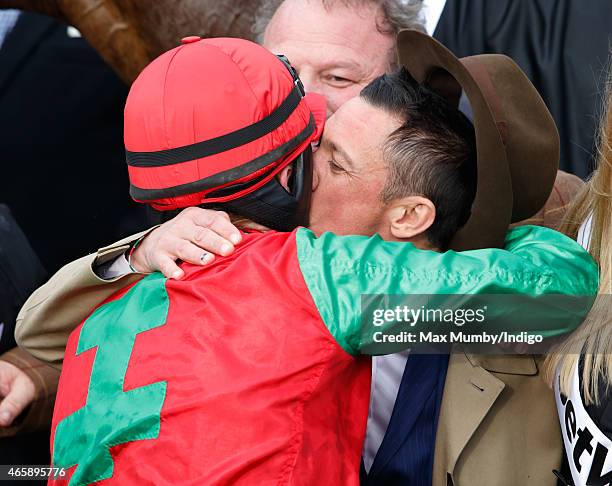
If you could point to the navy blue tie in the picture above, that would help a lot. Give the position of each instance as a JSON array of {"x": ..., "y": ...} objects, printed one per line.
[{"x": 406, "y": 454}]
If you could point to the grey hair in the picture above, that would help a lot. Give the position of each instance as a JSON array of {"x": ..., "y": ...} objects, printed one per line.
[{"x": 397, "y": 15}]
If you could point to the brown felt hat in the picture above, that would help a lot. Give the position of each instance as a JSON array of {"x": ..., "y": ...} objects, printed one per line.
[{"x": 517, "y": 141}]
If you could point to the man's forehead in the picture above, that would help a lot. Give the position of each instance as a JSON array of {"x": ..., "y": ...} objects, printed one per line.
[
  {"x": 340, "y": 24},
  {"x": 359, "y": 129},
  {"x": 337, "y": 142},
  {"x": 361, "y": 116}
]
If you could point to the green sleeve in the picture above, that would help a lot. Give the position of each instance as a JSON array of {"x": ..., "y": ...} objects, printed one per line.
[{"x": 535, "y": 261}]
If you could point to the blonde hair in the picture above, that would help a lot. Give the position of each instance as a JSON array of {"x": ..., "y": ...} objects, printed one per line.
[{"x": 593, "y": 339}]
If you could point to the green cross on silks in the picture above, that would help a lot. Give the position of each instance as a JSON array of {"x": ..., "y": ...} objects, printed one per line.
[{"x": 112, "y": 416}]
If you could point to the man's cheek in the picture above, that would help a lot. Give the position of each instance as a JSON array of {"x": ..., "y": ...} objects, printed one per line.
[
  {"x": 323, "y": 202},
  {"x": 338, "y": 96},
  {"x": 334, "y": 100}
]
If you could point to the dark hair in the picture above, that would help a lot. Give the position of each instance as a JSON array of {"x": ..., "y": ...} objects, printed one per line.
[{"x": 433, "y": 153}]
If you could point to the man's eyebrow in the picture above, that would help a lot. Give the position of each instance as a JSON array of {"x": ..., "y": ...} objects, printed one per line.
[
  {"x": 342, "y": 65},
  {"x": 342, "y": 153}
]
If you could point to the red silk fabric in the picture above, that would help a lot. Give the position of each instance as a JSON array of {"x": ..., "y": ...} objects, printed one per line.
[{"x": 258, "y": 391}]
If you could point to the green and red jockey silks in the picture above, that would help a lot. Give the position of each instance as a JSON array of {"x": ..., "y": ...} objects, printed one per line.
[
  {"x": 216, "y": 115},
  {"x": 249, "y": 371}
]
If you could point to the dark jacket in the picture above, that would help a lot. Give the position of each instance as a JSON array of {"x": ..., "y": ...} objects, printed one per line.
[
  {"x": 20, "y": 274},
  {"x": 562, "y": 45},
  {"x": 61, "y": 141}
]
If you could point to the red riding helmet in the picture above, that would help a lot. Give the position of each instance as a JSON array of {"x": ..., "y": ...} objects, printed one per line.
[{"x": 212, "y": 122}]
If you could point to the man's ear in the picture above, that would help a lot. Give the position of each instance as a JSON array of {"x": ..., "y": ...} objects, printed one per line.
[{"x": 410, "y": 217}]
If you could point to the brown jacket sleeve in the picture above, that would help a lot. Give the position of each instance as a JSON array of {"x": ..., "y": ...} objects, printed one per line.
[
  {"x": 38, "y": 414},
  {"x": 55, "y": 309}
]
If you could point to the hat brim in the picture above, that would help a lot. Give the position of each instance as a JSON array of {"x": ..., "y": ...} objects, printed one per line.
[{"x": 491, "y": 212}]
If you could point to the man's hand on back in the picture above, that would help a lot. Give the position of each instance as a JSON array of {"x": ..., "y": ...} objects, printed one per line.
[{"x": 194, "y": 236}]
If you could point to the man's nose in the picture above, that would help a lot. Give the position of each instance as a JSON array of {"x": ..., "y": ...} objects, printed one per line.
[
  {"x": 315, "y": 181},
  {"x": 309, "y": 80},
  {"x": 315, "y": 173},
  {"x": 312, "y": 84}
]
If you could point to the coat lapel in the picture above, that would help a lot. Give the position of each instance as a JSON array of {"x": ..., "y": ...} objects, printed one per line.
[
  {"x": 20, "y": 42},
  {"x": 469, "y": 393}
]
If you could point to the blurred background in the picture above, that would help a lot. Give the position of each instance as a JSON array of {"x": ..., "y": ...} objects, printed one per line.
[{"x": 65, "y": 70}]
